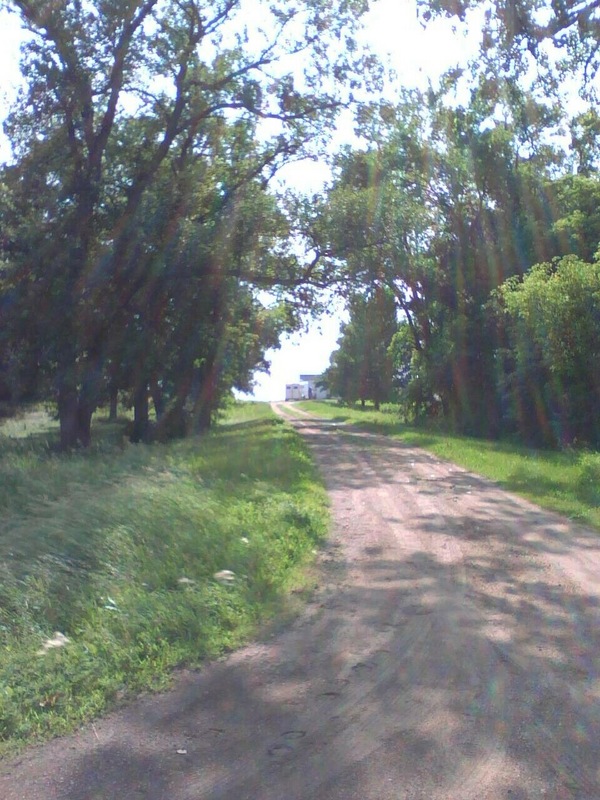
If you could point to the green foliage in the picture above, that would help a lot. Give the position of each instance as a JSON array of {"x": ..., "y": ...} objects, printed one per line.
[
  {"x": 585, "y": 135},
  {"x": 362, "y": 367},
  {"x": 513, "y": 29},
  {"x": 402, "y": 353},
  {"x": 118, "y": 551},
  {"x": 577, "y": 227},
  {"x": 553, "y": 325},
  {"x": 444, "y": 204}
]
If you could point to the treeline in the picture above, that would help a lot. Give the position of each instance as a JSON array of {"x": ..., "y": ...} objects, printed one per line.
[
  {"x": 468, "y": 227},
  {"x": 138, "y": 224},
  {"x": 472, "y": 272}
]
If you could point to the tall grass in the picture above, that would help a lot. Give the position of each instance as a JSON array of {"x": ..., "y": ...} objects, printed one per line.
[
  {"x": 564, "y": 481},
  {"x": 143, "y": 557}
]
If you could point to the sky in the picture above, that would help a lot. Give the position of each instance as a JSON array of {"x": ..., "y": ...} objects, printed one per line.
[{"x": 394, "y": 33}]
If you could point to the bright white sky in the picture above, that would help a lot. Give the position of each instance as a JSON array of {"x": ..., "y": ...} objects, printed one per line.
[{"x": 394, "y": 33}]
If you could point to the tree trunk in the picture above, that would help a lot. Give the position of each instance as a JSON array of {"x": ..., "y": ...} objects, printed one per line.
[
  {"x": 173, "y": 420},
  {"x": 114, "y": 401},
  {"x": 84, "y": 422},
  {"x": 68, "y": 408},
  {"x": 206, "y": 398},
  {"x": 75, "y": 417},
  {"x": 203, "y": 418}
]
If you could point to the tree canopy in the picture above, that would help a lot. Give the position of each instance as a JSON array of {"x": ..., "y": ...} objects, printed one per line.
[
  {"x": 446, "y": 202},
  {"x": 552, "y": 318},
  {"x": 511, "y": 26}
]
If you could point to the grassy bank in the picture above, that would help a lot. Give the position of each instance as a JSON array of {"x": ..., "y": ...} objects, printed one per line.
[
  {"x": 143, "y": 557},
  {"x": 567, "y": 482}
]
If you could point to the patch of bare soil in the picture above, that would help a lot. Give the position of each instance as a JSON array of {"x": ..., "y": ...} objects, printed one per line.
[{"x": 451, "y": 652}]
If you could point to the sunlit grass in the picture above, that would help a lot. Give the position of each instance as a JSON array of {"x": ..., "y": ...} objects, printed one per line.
[
  {"x": 118, "y": 549},
  {"x": 386, "y": 418},
  {"x": 563, "y": 481},
  {"x": 36, "y": 421},
  {"x": 292, "y": 410}
]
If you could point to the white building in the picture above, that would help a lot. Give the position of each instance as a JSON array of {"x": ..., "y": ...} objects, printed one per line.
[
  {"x": 295, "y": 391},
  {"x": 309, "y": 388},
  {"x": 314, "y": 390}
]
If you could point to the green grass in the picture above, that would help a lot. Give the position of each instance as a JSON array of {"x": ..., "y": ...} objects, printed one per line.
[
  {"x": 290, "y": 408},
  {"x": 386, "y": 420},
  {"x": 117, "y": 549},
  {"x": 563, "y": 481}
]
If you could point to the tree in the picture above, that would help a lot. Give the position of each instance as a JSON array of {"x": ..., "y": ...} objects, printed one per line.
[
  {"x": 585, "y": 142},
  {"x": 115, "y": 94},
  {"x": 511, "y": 25},
  {"x": 362, "y": 367},
  {"x": 201, "y": 247},
  {"x": 445, "y": 204},
  {"x": 577, "y": 206},
  {"x": 379, "y": 214},
  {"x": 552, "y": 316}
]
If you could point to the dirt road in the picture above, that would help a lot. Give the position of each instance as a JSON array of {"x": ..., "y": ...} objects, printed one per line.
[{"x": 452, "y": 652}]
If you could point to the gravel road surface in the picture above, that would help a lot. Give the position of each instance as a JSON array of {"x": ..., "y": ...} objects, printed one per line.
[{"x": 452, "y": 651}]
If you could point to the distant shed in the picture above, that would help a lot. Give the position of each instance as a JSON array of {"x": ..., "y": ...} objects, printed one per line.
[
  {"x": 295, "y": 391},
  {"x": 314, "y": 388}
]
